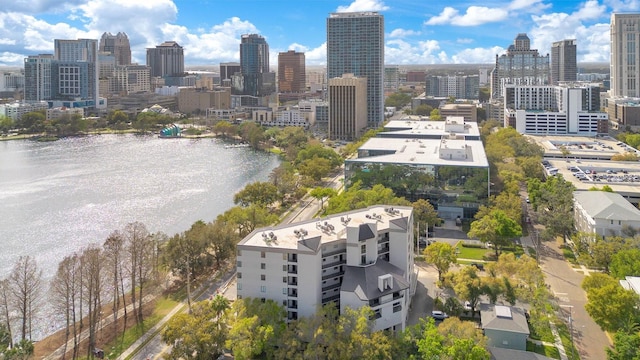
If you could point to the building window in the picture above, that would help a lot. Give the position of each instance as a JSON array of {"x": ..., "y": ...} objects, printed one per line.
[
  {"x": 239, "y": 286},
  {"x": 239, "y": 252},
  {"x": 397, "y": 307},
  {"x": 284, "y": 267},
  {"x": 284, "y": 291},
  {"x": 239, "y": 263},
  {"x": 239, "y": 275},
  {"x": 284, "y": 279},
  {"x": 263, "y": 266},
  {"x": 262, "y": 254},
  {"x": 263, "y": 289},
  {"x": 263, "y": 277}
]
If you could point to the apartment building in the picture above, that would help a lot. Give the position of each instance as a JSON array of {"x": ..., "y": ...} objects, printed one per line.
[{"x": 354, "y": 259}]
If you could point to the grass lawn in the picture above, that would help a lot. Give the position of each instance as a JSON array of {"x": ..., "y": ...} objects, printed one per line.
[
  {"x": 548, "y": 351},
  {"x": 470, "y": 252},
  {"x": 162, "y": 307}
]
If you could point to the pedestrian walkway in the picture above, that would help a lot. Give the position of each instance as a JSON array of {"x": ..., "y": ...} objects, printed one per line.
[{"x": 558, "y": 343}]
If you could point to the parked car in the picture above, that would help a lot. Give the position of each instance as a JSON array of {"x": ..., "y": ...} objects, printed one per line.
[
  {"x": 467, "y": 306},
  {"x": 478, "y": 266},
  {"x": 439, "y": 315}
]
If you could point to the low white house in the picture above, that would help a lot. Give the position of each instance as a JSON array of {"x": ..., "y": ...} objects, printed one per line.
[
  {"x": 603, "y": 213},
  {"x": 631, "y": 283}
]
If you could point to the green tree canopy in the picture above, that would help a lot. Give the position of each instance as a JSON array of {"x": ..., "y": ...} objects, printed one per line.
[
  {"x": 497, "y": 228},
  {"x": 357, "y": 198},
  {"x": 625, "y": 263},
  {"x": 441, "y": 255},
  {"x": 257, "y": 193}
]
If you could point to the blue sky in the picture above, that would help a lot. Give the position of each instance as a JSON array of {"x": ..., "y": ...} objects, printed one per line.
[{"x": 416, "y": 31}]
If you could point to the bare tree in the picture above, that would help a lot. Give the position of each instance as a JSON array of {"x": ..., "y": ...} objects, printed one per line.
[
  {"x": 5, "y": 307},
  {"x": 63, "y": 290},
  {"x": 25, "y": 283},
  {"x": 92, "y": 284},
  {"x": 137, "y": 240},
  {"x": 113, "y": 253}
]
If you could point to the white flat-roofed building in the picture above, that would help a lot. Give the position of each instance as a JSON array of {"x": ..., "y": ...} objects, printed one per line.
[
  {"x": 357, "y": 258},
  {"x": 15, "y": 110},
  {"x": 569, "y": 108},
  {"x": 603, "y": 213},
  {"x": 57, "y": 112},
  {"x": 412, "y": 127},
  {"x": 631, "y": 283}
]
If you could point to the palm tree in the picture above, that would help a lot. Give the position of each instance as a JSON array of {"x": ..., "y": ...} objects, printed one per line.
[{"x": 219, "y": 304}]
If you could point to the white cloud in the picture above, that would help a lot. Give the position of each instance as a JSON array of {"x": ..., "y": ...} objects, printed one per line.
[
  {"x": 400, "y": 33},
  {"x": 477, "y": 55},
  {"x": 464, "y": 41},
  {"x": 531, "y": 6},
  {"x": 622, "y": 5},
  {"x": 10, "y": 59},
  {"x": 364, "y": 5},
  {"x": 315, "y": 56},
  {"x": 593, "y": 39},
  {"x": 475, "y": 15}
]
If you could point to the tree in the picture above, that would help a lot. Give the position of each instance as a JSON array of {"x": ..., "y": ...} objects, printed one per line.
[
  {"x": 625, "y": 263},
  {"x": 315, "y": 168},
  {"x": 139, "y": 250},
  {"x": 626, "y": 346},
  {"x": 497, "y": 228},
  {"x": 553, "y": 202},
  {"x": 91, "y": 261},
  {"x": 258, "y": 193},
  {"x": 441, "y": 255},
  {"x": 397, "y": 100},
  {"x": 423, "y": 110},
  {"x": 596, "y": 281},
  {"x": 25, "y": 282},
  {"x": 113, "y": 250},
  {"x": 613, "y": 307},
  {"x": 435, "y": 115},
  {"x": 425, "y": 213},
  {"x": 198, "y": 335},
  {"x": 627, "y": 156},
  {"x": 468, "y": 286},
  {"x": 320, "y": 193},
  {"x": 357, "y": 198},
  {"x": 255, "y": 327},
  {"x": 5, "y": 309},
  {"x": 6, "y": 124},
  {"x": 247, "y": 219},
  {"x": 65, "y": 290},
  {"x": 223, "y": 239}
]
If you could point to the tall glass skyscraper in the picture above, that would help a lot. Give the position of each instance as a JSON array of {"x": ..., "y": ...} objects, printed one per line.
[
  {"x": 355, "y": 45},
  {"x": 254, "y": 62}
]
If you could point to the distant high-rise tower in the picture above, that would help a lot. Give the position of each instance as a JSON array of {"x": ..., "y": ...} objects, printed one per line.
[
  {"x": 563, "y": 61},
  {"x": 118, "y": 46},
  {"x": 521, "y": 65},
  {"x": 625, "y": 55},
  {"x": 254, "y": 62},
  {"x": 347, "y": 107},
  {"x": 166, "y": 59},
  {"x": 37, "y": 77},
  {"x": 291, "y": 72},
  {"x": 228, "y": 69},
  {"x": 75, "y": 72},
  {"x": 355, "y": 44}
]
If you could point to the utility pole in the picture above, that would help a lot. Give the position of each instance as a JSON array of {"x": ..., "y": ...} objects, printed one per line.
[{"x": 570, "y": 326}]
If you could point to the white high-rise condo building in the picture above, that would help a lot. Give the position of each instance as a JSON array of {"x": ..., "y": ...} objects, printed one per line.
[
  {"x": 354, "y": 259},
  {"x": 625, "y": 55},
  {"x": 355, "y": 45}
]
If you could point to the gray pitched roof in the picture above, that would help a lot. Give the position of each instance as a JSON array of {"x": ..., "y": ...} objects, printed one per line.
[
  {"x": 490, "y": 320},
  {"x": 606, "y": 205},
  {"x": 402, "y": 223},
  {"x": 511, "y": 354},
  {"x": 312, "y": 243},
  {"x": 366, "y": 278},
  {"x": 365, "y": 232}
]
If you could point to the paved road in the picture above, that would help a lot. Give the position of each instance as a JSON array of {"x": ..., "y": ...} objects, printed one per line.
[{"x": 565, "y": 282}]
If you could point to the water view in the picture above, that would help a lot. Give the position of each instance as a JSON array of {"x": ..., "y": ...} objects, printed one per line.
[{"x": 59, "y": 196}]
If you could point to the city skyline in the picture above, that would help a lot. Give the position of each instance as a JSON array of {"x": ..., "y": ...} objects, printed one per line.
[{"x": 416, "y": 32}]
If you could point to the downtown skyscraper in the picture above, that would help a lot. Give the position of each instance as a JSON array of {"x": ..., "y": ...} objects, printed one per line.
[
  {"x": 625, "y": 55},
  {"x": 563, "y": 61},
  {"x": 355, "y": 45},
  {"x": 254, "y": 65}
]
